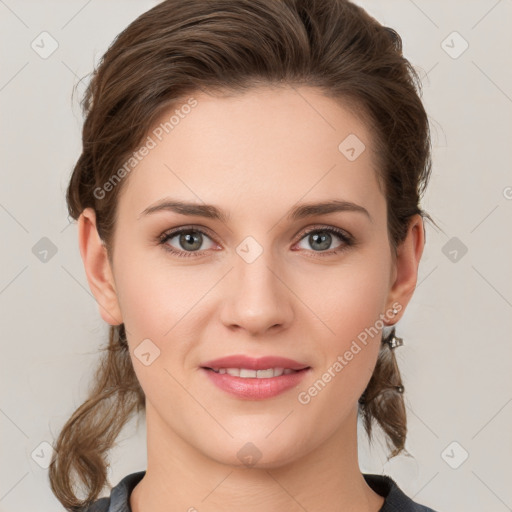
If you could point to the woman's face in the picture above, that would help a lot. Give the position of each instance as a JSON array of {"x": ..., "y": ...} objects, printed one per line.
[{"x": 266, "y": 277}]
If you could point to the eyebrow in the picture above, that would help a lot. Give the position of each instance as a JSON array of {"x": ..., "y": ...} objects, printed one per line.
[{"x": 212, "y": 212}]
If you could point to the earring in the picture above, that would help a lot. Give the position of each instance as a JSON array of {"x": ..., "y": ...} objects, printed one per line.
[{"x": 392, "y": 340}]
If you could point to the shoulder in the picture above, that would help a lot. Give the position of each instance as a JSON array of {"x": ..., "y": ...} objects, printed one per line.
[
  {"x": 119, "y": 499},
  {"x": 395, "y": 499},
  {"x": 101, "y": 505}
]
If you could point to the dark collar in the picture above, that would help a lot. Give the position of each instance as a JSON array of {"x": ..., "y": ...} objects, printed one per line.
[{"x": 395, "y": 499}]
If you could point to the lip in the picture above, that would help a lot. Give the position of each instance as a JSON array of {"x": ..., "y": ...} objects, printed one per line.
[
  {"x": 252, "y": 363},
  {"x": 254, "y": 388}
]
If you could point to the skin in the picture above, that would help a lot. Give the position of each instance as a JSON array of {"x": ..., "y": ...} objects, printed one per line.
[{"x": 254, "y": 155}]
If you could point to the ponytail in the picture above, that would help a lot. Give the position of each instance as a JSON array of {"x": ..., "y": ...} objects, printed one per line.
[
  {"x": 89, "y": 434},
  {"x": 383, "y": 399}
]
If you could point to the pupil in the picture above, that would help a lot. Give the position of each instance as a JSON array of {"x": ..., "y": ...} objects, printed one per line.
[
  {"x": 189, "y": 239},
  {"x": 324, "y": 240}
]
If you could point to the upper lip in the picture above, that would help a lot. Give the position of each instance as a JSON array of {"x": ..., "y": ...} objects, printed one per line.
[{"x": 252, "y": 363}]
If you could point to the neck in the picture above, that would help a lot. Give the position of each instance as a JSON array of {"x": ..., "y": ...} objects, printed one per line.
[{"x": 180, "y": 477}]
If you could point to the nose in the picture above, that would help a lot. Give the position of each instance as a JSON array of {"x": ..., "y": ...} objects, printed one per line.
[{"x": 256, "y": 298}]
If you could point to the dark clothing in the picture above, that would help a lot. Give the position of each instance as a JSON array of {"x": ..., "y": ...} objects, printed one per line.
[{"x": 395, "y": 499}]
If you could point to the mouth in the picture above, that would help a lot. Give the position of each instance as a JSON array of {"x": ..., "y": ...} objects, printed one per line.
[{"x": 255, "y": 379}]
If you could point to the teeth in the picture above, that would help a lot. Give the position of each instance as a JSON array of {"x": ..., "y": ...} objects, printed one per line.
[
  {"x": 247, "y": 373},
  {"x": 264, "y": 374},
  {"x": 255, "y": 374}
]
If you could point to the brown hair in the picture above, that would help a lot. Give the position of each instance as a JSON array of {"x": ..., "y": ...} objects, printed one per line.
[{"x": 181, "y": 47}]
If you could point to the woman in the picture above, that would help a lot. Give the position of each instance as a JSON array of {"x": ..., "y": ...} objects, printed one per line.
[{"x": 248, "y": 216}]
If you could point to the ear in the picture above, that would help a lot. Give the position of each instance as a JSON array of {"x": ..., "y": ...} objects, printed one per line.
[
  {"x": 97, "y": 268},
  {"x": 406, "y": 266}
]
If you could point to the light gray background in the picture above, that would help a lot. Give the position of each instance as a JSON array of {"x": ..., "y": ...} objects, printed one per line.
[{"x": 457, "y": 355}]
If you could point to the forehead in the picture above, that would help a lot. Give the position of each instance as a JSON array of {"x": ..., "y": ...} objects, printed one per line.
[{"x": 266, "y": 148}]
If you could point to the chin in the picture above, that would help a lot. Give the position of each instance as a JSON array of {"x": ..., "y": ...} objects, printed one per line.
[{"x": 258, "y": 454}]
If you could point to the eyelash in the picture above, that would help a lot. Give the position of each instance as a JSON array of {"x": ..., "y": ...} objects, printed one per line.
[{"x": 347, "y": 240}]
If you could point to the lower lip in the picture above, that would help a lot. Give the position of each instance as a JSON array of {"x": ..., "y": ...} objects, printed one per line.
[{"x": 253, "y": 388}]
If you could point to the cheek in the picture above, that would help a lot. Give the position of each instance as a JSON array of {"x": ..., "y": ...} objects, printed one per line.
[
  {"x": 348, "y": 356},
  {"x": 350, "y": 306},
  {"x": 162, "y": 306},
  {"x": 349, "y": 300},
  {"x": 154, "y": 294}
]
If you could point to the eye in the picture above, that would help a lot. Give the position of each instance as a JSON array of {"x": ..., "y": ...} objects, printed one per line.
[
  {"x": 320, "y": 239},
  {"x": 187, "y": 241}
]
